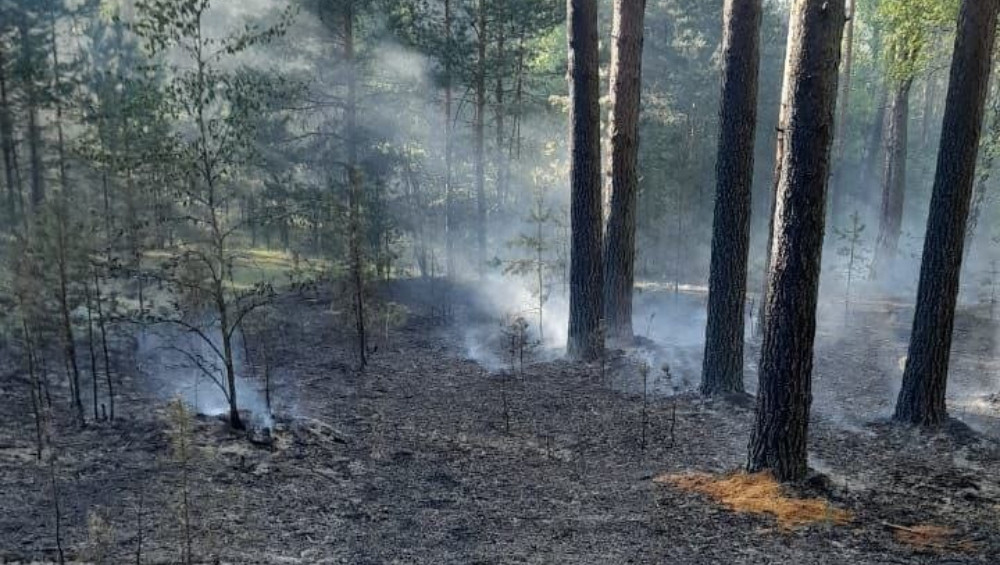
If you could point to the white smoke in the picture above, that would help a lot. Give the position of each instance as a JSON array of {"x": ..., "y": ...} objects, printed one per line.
[{"x": 179, "y": 362}]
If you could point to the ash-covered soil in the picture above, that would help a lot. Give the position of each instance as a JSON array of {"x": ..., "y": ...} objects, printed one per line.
[{"x": 428, "y": 458}]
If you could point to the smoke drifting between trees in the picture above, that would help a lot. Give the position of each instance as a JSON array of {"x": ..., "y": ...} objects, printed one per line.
[{"x": 173, "y": 162}]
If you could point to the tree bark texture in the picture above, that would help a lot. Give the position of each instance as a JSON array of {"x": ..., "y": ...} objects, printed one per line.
[
  {"x": 7, "y": 146},
  {"x": 722, "y": 369},
  {"x": 586, "y": 288},
  {"x": 480, "y": 140},
  {"x": 922, "y": 396},
  {"x": 356, "y": 189},
  {"x": 841, "y": 187},
  {"x": 449, "y": 211},
  {"x": 985, "y": 169},
  {"x": 893, "y": 179},
  {"x": 34, "y": 129},
  {"x": 626, "y": 90},
  {"x": 778, "y": 439},
  {"x": 776, "y": 178}
]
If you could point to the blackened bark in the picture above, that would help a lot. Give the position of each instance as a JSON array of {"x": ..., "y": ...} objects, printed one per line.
[
  {"x": 840, "y": 186},
  {"x": 7, "y": 147},
  {"x": 449, "y": 220},
  {"x": 355, "y": 187},
  {"x": 626, "y": 90},
  {"x": 985, "y": 171},
  {"x": 500, "y": 110},
  {"x": 34, "y": 132},
  {"x": 91, "y": 350},
  {"x": 57, "y": 99},
  {"x": 586, "y": 292},
  {"x": 779, "y": 158},
  {"x": 101, "y": 324},
  {"x": 480, "y": 141},
  {"x": 872, "y": 152},
  {"x": 930, "y": 94},
  {"x": 778, "y": 440},
  {"x": 69, "y": 340},
  {"x": 922, "y": 396},
  {"x": 893, "y": 179},
  {"x": 722, "y": 370},
  {"x": 36, "y": 389},
  {"x": 844, "y": 104}
]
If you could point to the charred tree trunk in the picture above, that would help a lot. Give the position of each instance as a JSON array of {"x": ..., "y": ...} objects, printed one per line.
[
  {"x": 57, "y": 99},
  {"x": 102, "y": 326},
  {"x": 845, "y": 92},
  {"x": 871, "y": 150},
  {"x": 985, "y": 172},
  {"x": 355, "y": 190},
  {"x": 7, "y": 146},
  {"x": 626, "y": 90},
  {"x": 500, "y": 111},
  {"x": 893, "y": 179},
  {"x": 586, "y": 288},
  {"x": 479, "y": 132},
  {"x": 90, "y": 349},
  {"x": 514, "y": 148},
  {"x": 722, "y": 370},
  {"x": 36, "y": 390},
  {"x": 871, "y": 155},
  {"x": 235, "y": 421},
  {"x": 416, "y": 201},
  {"x": 930, "y": 94},
  {"x": 840, "y": 186},
  {"x": 69, "y": 340},
  {"x": 449, "y": 211},
  {"x": 922, "y": 396},
  {"x": 34, "y": 132},
  {"x": 779, "y": 159},
  {"x": 778, "y": 439}
]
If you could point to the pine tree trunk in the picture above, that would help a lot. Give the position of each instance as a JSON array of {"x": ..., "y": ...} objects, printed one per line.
[
  {"x": 922, "y": 396},
  {"x": 844, "y": 104},
  {"x": 101, "y": 324},
  {"x": 872, "y": 154},
  {"x": 449, "y": 212},
  {"x": 355, "y": 188},
  {"x": 930, "y": 94},
  {"x": 893, "y": 180},
  {"x": 985, "y": 171},
  {"x": 840, "y": 186},
  {"x": 778, "y": 440},
  {"x": 626, "y": 91},
  {"x": 69, "y": 340},
  {"x": 722, "y": 370},
  {"x": 34, "y": 134},
  {"x": 868, "y": 171},
  {"x": 779, "y": 159},
  {"x": 235, "y": 421},
  {"x": 480, "y": 140},
  {"x": 57, "y": 99},
  {"x": 7, "y": 147},
  {"x": 514, "y": 148},
  {"x": 91, "y": 350},
  {"x": 586, "y": 289},
  {"x": 500, "y": 110}
]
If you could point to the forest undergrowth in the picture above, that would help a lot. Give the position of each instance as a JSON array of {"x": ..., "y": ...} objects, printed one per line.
[{"x": 427, "y": 457}]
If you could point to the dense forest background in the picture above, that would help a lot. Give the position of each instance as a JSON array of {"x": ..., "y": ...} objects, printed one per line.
[
  {"x": 101, "y": 137},
  {"x": 389, "y": 243}
]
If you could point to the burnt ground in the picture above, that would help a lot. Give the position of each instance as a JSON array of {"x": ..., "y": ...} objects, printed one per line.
[{"x": 413, "y": 462}]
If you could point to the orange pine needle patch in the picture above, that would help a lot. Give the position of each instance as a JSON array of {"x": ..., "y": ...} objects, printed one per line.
[
  {"x": 758, "y": 493},
  {"x": 928, "y": 537}
]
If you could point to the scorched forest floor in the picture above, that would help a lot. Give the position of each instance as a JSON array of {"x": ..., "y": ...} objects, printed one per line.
[{"x": 412, "y": 461}]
